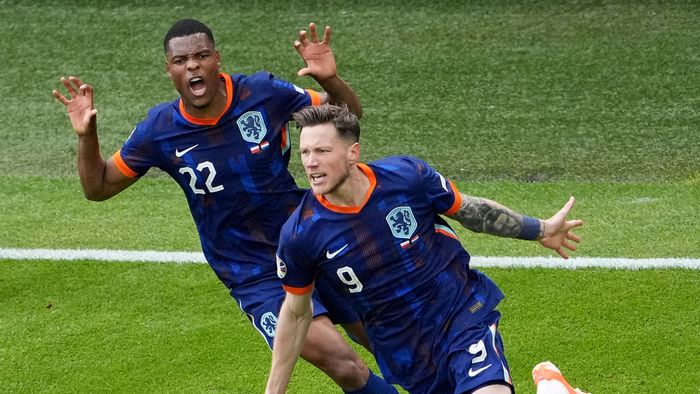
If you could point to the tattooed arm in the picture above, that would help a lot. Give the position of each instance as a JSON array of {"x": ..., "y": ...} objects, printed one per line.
[{"x": 485, "y": 216}]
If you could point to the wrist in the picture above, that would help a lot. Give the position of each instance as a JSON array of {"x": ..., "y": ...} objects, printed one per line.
[
  {"x": 87, "y": 135},
  {"x": 332, "y": 79},
  {"x": 533, "y": 229}
]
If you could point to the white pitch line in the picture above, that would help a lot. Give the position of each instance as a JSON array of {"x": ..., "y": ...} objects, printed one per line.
[
  {"x": 103, "y": 255},
  {"x": 585, "y": 262},
  {"x": 477, "y": 261}
]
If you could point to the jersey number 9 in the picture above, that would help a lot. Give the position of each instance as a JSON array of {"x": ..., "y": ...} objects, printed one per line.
[{"x": 347, "y": 276}]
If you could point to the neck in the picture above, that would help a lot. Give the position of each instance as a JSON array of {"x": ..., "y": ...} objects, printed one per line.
[{"x": 352, "y": 192}]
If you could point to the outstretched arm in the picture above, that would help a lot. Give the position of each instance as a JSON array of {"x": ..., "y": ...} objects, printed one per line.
[
  {"x": 483, "y": 215},
  {"x": 99, "y": 179},
  {"x": 293, "y": 325},
  {"x": 320, "y": 64}
]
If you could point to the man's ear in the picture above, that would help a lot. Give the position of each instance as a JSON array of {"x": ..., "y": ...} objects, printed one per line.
[
  {"x": 354, "y": 153},
  {"x": 167, "y": 70}
]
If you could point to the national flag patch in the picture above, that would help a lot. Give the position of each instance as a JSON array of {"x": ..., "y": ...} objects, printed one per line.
[
  {"x": 260, "y": 147},
  {"x": 407, "y": 244}
]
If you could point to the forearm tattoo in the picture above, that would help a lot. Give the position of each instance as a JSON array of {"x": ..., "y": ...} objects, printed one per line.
[{"x": 485, "y": 216}]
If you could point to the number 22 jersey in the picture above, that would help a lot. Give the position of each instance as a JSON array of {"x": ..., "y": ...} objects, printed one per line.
[{"x": 232, "y": 169}]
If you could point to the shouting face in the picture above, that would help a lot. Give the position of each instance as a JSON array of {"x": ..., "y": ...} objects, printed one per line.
[
  {"x": 326, "y": 157},
  {"x": 193, "y": 66}
]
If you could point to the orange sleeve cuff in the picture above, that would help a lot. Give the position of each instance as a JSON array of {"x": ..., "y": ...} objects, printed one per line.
[
  {"x": 121, "y": 165},
  {"x": 315, "y": 97},
  {"x": 298, "y": 290},
  {"x": 457, "y": 203}
]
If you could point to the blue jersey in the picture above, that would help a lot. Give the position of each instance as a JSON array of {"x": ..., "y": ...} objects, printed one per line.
[
  {"x": 232, "y": 169},
  {"x": 398, "y": 263}
]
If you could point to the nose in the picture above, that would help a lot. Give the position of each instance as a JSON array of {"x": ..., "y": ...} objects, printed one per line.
[
  {"x": 310, "y": 161},
  {"x": 192, "y": 63}
]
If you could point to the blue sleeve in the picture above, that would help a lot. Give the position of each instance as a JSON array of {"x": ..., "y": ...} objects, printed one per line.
[
  {"x": 294, "y": 266},
  {"x": 284, "y": 97},
  {"x": 442, "y": 193},
  {"x": 136, "y": 153}
]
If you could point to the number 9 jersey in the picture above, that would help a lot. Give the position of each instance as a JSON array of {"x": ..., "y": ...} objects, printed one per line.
[{"x": 397, "y": 263}]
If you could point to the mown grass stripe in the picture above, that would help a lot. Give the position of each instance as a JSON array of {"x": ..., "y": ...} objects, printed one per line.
[{"x": 477, "y": 261}]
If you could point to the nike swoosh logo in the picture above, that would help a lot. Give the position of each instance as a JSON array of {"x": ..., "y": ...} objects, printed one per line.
[
  {"x": 478, "y": 371},
  {"x": 179, "y": 153},
  {"x": 330, "y": 255}
]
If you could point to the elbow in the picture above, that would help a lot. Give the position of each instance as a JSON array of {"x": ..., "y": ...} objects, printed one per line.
[{"x": 93, "y": 196}]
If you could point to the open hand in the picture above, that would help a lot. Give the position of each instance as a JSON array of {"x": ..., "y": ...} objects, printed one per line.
[
  {"x": 557, "y": 235},
  {"x": 81, "y": 112},
  {"x": 319, "y": 59}
]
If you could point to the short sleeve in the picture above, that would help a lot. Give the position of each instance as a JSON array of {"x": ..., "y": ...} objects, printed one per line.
[
  {"x": 135, "y": 157},
  {"x": 442, "y": 193},
  {"x": 286, "y": 96},
  {"x": 294, "y": 266}
]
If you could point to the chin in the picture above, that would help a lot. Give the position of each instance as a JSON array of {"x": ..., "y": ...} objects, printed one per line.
[
  {"x": 200, "y": 102},
  {"x": 317, "y": 190}
]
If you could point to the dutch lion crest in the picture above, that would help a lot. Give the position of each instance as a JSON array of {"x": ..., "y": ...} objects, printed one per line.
[
  {"x": 252, "y": 126},
  {"x": 402, "y": 222},
  {"x": 268, "y": 322}
]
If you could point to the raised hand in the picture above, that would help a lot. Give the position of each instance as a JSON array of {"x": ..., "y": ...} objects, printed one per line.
[
  {"x": 319, "y": 59},
  {"x": 557, "y": 234},
  {"x": 81, "y": 112}
]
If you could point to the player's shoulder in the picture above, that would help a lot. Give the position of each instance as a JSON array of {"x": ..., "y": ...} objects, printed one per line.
[
  {"x": 265, "y": 79},
  {"x": 399, "y": 166},
  {"x": 158, "y": 117},
  {"x": 162, "y": 111},
  {"x": 257, "y": 78},
  {"x": 398, "y": 161},
  {"x": 293, "y": 228}
]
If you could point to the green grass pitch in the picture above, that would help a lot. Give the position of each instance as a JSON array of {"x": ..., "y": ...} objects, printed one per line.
[{"x": 525, "y": 102}]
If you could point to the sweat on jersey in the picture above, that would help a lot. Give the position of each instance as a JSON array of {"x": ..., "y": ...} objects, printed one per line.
[
  {"x": 397, "y": 263},
  {"x": 232, "y": 169}
]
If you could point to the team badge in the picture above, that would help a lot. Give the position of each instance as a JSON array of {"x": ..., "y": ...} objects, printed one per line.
[
  {"x": 268, "y": 322},
  {"x": 252, "y": 126},
  {"x": 281, "y": 267},
  {"x": 402, "y": 222}
]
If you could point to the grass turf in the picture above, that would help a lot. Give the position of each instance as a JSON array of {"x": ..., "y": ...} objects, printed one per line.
[
  {"x": 524, "y": 102},
  {"x": 114, "y": 327}
]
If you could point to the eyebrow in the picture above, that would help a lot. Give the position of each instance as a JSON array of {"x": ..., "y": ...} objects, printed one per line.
[{"x": 190, "y": 54}]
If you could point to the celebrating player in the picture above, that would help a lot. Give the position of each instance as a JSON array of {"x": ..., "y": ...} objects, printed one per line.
[
  {"x": 375, "y": 231},
  {"x": 225, "y": 142}
]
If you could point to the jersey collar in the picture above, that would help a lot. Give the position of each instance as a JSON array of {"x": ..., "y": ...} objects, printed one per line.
[
  {"x": 353, "y": 209},
  {"x": 211, "y": 121}
]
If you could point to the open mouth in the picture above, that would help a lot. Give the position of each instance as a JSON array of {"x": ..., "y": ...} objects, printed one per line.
[
  {"x": 197, "y": 86},
  {"x": 317, "y": 178}
]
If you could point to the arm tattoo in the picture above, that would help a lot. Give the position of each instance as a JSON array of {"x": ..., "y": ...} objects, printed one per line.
[{"x": 485, "y": 216}]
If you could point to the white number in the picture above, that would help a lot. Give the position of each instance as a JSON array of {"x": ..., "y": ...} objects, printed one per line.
[
  {"x": 208, "y": 182},
  {"x": 347, "y": 276},
  {"x": 210, "y": 178},
  {"x": 193, "y": 179},
  {"x": 480, "y": 349}
]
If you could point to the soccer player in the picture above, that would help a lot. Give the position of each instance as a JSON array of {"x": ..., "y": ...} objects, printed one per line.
[
  {"x": 225, "y": 142},
  {"x": 375, "y": 231}
]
